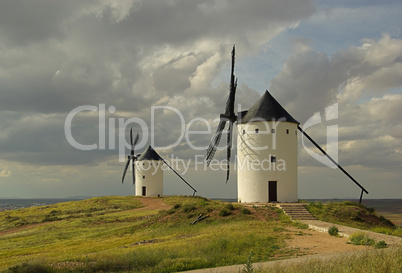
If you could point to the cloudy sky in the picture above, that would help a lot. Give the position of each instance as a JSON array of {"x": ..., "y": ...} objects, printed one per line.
[{"x": 91, "y": 67}]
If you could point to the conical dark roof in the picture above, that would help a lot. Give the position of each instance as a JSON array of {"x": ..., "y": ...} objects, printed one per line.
[
  {"x": 266, "y": 109},
  {"x": 149, "y": 154}
]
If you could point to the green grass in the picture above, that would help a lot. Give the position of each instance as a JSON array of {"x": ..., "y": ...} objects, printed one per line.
[
  {"x": 108, "y": 234},
  {"x": 354, "y": 215},
  {"x": 373, "y": 261},
  {"x": 111, "y": 234},
  {"x": 68, "y": 210},
  {"x": 361, "y": 238}
]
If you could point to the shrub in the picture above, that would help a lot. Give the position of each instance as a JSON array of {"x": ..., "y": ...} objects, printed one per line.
[
  {"x": 29, "y": 268},
  {"x": 21, "y": 223},
  {"x": 176, "y": 206},
  {"x": 50, "y": 218},
  {"x": 381, "y": 244},
  {"x": 224, "y": 212},
  {"x": 229, "y": 206},
  {"x": 190, "y": 215},
  {"x": 188, "y": 208},
  {"x": 245, "y": 211},
  {"x": 318, "y": 204},
  {"x": 248, "y": 266},
  {"x": 361, "y": 239},
  {"x": 300, "y": 225},
  {"x": 333, "y": 231},
  {"x": 170, "y": 211},
  {"x": 12, "y": 219},
  {"x": 55, "y": 212},
  {"x": 386, "y": 221}
]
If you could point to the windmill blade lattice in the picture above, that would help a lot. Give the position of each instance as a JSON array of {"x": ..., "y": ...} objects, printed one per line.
[
  {"x": 228, "y": 116},
  {"x": 131, "y": 157},
  {"x": 215, "y": 141},
  {"x": 229, "y": 149}
]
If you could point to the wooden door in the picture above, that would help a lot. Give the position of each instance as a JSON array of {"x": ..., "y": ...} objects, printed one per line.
[
  {"x": 272, "y": 191},
  {"x": 144, "y": 191}
]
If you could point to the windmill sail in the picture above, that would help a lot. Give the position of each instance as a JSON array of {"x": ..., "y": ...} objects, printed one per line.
[
  {"x": 131, "y": 157},
  {"x": 228, "y": 116}
]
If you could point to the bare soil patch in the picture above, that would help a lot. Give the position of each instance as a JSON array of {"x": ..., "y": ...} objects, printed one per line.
[
  {"x": 311, "y": 242},
  {"x": 153, "y": 203}
]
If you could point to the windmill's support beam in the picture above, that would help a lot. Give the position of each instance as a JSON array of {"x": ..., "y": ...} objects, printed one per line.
[
  {"x": 179, "y": 176},
  {"x": 333, "y": 161},
  {"x": 361, "y": 197}
]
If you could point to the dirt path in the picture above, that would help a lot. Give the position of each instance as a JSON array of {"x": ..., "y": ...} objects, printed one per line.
[
  {"x": 314, "y": 243},
  {"x": 153, "y": 203},
  {"x": 274, "y": 264},
  {"x": 347, "y": 231}
]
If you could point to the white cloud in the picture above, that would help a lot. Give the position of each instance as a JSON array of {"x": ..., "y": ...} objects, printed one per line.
[{"x": 5, "y": 173}]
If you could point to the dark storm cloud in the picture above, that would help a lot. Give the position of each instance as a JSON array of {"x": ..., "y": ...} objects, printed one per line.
[
  {"x": 24, "y": 22},
  {"x": 58, "y": 55}
]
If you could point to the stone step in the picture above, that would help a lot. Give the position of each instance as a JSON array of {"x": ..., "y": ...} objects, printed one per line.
[{"x": 296, "y": 211}]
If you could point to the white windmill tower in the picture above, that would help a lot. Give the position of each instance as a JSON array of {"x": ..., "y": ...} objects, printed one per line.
[
  {"x": 149, "y": 174},
  {"x": 266, "y": 149},
  {"x": 267, "y": 153},
  {"x": 147, "y": 170}
]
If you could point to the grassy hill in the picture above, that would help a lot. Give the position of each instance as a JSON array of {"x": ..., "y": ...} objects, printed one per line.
[
  {"x": 354, "y": 215},
  {"x": 114, "y": 234},
  {"x": 118, "y": 234}
]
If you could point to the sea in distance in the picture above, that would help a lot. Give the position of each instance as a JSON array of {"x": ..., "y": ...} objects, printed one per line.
[
  {"x": 389, "y": 208},
  {"x": 19, "y": 203}
]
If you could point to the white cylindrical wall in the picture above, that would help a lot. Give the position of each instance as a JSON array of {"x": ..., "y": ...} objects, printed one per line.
[
  {"x": 148, "y": 174},
  {"x": 257, "y": 142}
]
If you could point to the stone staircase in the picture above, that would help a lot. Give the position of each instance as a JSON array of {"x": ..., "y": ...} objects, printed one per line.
[{"x": 296, "y": 211}]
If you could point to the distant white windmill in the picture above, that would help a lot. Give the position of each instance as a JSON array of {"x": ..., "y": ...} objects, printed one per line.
[{"x": 147, "y": 170}]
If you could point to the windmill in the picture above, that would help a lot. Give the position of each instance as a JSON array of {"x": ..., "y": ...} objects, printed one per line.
[
  {"x": 230, "y": 117},
  {"x": 265, "y": 124},
  {"x": 147, "y": 171}
]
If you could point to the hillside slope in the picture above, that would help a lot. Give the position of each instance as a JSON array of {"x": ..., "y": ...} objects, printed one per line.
[
  {"x": 353, "y": 215},
  {"x": 122, "y": 234}
]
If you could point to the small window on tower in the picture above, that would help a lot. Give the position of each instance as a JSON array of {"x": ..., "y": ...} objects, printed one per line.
[
  {"x": 273, "y": 159},
  {"x": 287, "y": 131},
  {"x": 257, "y": 131},
  {"x": 244, "y": 132},
  {"x": 143, "y": 177},
  {"x": 273, "y": 131}
]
